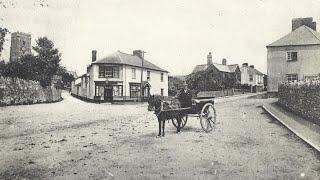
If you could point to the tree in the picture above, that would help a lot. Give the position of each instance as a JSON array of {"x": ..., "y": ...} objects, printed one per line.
[
  {"x": 66, "y": 77},
  {"x": 175, "y": 84},
  {"x": 47, "y": 60},
  {"x": 3, "y": 32}
]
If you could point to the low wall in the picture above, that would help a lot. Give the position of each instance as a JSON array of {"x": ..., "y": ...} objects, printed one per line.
[
  {"x": 227, "y": 92},
  {"x": 303, "y": 100},
  {"x": 15, "y": 91}
]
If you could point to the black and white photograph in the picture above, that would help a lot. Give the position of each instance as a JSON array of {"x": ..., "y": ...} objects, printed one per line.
[{"x": 160, "y": 89}]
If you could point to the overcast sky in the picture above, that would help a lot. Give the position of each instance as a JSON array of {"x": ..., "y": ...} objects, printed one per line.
[{"x": 176, "y": 34}]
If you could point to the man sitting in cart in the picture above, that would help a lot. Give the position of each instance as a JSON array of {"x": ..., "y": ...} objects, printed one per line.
[{"x": 184, "y": 96}]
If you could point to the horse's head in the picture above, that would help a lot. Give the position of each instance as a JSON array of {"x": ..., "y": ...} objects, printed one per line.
[
  {"x": 154, "y": 103},
  {"x": 151, "y": 102}
]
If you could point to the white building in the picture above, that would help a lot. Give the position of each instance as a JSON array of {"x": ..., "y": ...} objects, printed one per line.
[
  {"x": 251, "y": 77},
  {"x": 120, "y": 77},
  {"x": 295, "y": 56}
]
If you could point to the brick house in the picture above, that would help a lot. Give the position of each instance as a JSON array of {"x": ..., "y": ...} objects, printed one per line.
[
  {"x": 295, "y": 56},
  {"x": 120, "y": 77},
  {"x": 221, "y": 70}
]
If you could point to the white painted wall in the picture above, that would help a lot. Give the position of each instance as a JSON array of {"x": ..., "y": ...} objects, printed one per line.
[{"x": 308, "y": 64}]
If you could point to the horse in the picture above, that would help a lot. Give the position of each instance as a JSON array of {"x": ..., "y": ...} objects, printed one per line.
[{"x": 157, "y": 104}]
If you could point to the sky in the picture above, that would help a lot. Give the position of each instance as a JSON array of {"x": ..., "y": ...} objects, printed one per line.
[{"x": 176, "y": 34}]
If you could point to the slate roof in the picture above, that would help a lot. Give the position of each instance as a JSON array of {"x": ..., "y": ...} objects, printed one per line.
[
  {"x": 251, "y": 70},
  {"x": 128, "y": 59},
  {"x": 223, "y": 68},
  {"x": 301, "y": 36}
]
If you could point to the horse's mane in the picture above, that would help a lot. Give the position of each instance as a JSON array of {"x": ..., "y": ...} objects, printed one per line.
[{"x": 158, "y": 100}]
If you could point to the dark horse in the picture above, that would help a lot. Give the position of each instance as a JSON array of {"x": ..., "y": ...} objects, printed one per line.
[{"x": 158, "y": 105}]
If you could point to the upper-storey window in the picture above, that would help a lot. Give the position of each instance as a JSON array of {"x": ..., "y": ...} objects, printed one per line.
[
  {"x": 250, "y": 77},
  {"x": 101, "y": 71},
  {"x": 109, "y": 71},
  {"x": 292, "y": 56},
  {"x": 133, "y": 70},
  {"x": 161, "y": 77},
  {"x": 148, "y": 75}
]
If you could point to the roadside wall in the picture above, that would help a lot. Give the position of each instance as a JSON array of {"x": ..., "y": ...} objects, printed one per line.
[
  {"x": 303, "y": 100},
  {"x": 227, "y": 92},
  {"x": 14, "y": 91}
]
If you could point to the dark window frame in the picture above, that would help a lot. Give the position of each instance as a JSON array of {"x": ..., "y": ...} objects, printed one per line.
[{"x": 292, "y": 56}]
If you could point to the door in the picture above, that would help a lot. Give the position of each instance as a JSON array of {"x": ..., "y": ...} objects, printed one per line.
[{"x": 108, "y": 95}]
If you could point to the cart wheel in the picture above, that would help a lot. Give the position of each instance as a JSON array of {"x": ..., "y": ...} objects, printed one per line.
[
  {"x": 208, "y": 117},
  {"x": 184, "y": 120}
]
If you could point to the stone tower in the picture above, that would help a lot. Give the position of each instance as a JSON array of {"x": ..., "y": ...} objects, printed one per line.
[{"x": 20, "y": 45}]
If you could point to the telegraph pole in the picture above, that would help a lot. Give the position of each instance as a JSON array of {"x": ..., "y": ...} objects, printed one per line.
[{"x": 142, "y": 58}]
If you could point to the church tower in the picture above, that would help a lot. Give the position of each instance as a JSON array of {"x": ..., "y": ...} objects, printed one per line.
[{"x": 20, "y": 45}]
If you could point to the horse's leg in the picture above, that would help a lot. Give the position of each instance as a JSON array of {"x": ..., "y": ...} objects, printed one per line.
[
  {"x": 163, "y": 124},
  {"x": 159, "y": 121},
  {"x": 179, "y": 124}
]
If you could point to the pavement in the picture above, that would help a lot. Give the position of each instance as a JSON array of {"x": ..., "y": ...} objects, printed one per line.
[{"x": 306, "y": 130}]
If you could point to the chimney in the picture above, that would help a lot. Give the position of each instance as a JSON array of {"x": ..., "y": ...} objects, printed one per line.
[
  {"x": 297, "y": 22},
  {"x": 94, "y": 55},
  {"x": 245, "y": 64},
  {"x": 252, "y": 66},
  {"x": 138, "y": 53},
  {"x": 224, "y": 61},
  {"x": 209, "y": 59}
]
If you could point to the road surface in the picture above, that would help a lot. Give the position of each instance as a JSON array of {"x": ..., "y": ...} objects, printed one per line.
[{"x": 73, "y": 139}]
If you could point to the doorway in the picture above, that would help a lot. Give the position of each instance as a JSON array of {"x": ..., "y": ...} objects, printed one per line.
[{"x": 108, "y": 94}]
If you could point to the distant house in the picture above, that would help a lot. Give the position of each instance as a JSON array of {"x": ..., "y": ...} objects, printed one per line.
[
  {"x": 120, "y": 77},
  {"x": 251, "y": 77},
  {"x": 222, "y": 70},
  {"x": 295, "y": 56}
]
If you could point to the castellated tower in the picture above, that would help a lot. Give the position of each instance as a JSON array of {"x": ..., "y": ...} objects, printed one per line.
[{"x": 20, "y": 45}]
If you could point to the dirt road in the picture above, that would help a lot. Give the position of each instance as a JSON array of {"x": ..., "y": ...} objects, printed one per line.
[{"x": 73, "y": 139}]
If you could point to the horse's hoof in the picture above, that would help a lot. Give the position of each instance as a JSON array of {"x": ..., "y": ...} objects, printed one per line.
[{"x": 158, "y": 136}]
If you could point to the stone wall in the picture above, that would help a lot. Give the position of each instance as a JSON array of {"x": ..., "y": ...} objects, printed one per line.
[
  {"x": 14, "y": 91},
  {"x": 303, "y": 100},
  {"x": 227, "y": 92}
]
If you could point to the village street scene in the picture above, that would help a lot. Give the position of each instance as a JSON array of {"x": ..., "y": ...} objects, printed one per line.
[{"x": 159, "y": 90}]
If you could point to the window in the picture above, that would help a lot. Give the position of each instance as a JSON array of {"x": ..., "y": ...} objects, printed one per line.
[
  {"x": 108, "y": 71},
  {"x": 101, "y": 71},
  {"x": 148, "y": 75},
  {"x": 250, "y": 77},
  {"x": 161, "y": 92},
  {"x": 292, "y": 56},
  {"x": 115, "y": 73},
  {"x": 161, "y": 77},
  {"x": 99, "y": 90},
  {"x": 134, "y": 90},
  {"x": 117, "y": 90},
  {"x": 133, "y": 73},
  {"x": 292, "y": 77}
]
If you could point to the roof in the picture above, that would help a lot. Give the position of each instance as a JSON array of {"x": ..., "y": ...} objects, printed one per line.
[
  {"x": 250, "y": 70},
  {"x": 128, "y": 59},
  {"x": 301, "y": 36},
  {"x": 223, "y": 68}
]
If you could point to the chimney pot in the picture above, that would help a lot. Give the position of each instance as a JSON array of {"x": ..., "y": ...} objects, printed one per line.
[
  {"x": 224, "y": 61},
  {"x": 138, "y": 53},
  {"x": 297, "y": 22},
  {"x": 94, "y": 55},
  {"x": 209, "y": 59}
]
